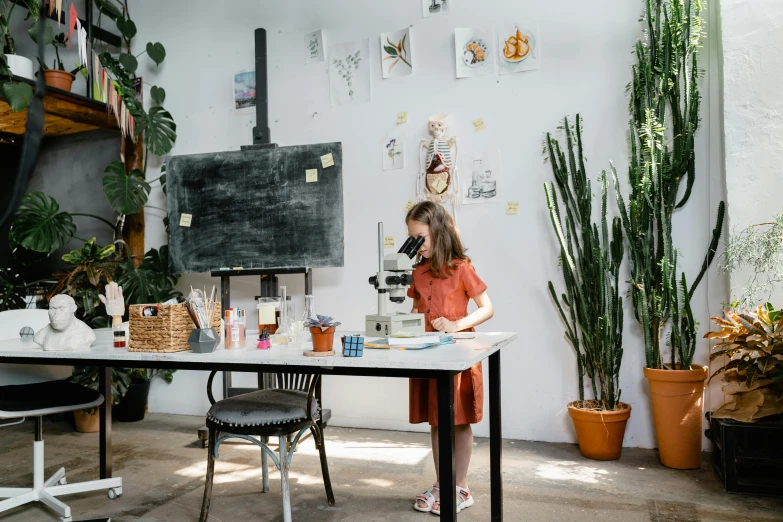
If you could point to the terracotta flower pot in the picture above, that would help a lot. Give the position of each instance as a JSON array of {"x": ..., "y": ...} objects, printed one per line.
[
  {"x": 323, "y": 341},
  {"x": 59, "y": 79},
  {"x": 600, "y": 433},
  {"x": 87, "y": 422},
  {"x": 678, "y": 409}
]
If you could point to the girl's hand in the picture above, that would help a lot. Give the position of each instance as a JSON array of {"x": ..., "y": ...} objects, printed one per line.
[{"x": 444, "y": 325}]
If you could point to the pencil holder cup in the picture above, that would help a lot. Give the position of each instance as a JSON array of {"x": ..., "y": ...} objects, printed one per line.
[
  {"x": 353, "y": 345},
  {"x": 203, "y": 340}
]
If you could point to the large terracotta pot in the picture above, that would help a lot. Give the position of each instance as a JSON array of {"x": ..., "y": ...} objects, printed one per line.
[
  {"x": 600, "y": 433},
  {"x": 87, "y": 422},
  {"x": 323, "y": 341},
  {"x": 59, "y": 79},
  {"x": 678, "y": 409}
]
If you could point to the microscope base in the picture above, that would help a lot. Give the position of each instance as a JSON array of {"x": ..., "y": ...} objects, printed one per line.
[{"x": 386, "y": 325}]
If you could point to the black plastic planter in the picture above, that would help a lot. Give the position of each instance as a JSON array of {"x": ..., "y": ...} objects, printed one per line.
[{"x": 132, "y": 407}]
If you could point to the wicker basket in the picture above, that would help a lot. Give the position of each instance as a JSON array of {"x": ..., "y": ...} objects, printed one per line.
[{"x": 166, "y": 332}]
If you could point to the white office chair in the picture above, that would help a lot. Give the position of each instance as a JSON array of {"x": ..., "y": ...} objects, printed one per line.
[{"x": 34, "y": 394}]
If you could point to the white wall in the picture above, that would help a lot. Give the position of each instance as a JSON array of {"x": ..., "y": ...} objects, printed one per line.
[
  {"x": 586, "y": 66},
  {"x": 753, "y": 118}
]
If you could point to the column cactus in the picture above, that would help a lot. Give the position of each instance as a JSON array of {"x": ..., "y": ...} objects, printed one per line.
[
  {"x": 664, "y": 106},
  {"x": 591, "y": 270}
]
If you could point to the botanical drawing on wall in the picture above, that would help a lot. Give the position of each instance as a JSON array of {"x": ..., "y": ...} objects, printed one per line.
[
  {"x": 520, "y": 48},
  {"x": 314, "y": 47},
  {"x": 485, "y": 171},
  {"x": 393, "y": 153},
  {"x": 475, "y": 52},
  {"x": 245, "y": 90},
  {"x": 349, "y": 73},
  {"x": 396, "y": 56},
  {"x": 435, "y": 7}
]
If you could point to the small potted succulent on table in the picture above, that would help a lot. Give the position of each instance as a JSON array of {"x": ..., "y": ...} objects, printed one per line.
[{"x": 322, "y": 328}]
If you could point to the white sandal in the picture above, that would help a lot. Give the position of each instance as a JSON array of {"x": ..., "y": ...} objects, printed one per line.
[
  {"x": 428, "y": 498},
  {"x": 461, "y": 504}
]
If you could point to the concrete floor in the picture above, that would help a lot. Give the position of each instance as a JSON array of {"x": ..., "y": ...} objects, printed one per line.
[{"x": 375, "y": 475}]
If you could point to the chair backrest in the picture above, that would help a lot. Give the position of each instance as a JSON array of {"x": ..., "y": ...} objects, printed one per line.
[
  {"x": 293, "y": 381},
  {"x": 11, "y": 324}
]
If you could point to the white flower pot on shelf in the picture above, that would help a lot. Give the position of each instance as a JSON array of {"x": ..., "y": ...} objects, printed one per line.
[{"x": 20, "y": 66}]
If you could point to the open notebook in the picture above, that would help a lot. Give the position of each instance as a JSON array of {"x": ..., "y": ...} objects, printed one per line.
[{"x": 419, "y": 342}]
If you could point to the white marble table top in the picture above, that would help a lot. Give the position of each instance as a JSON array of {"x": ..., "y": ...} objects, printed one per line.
[{"x": 452, "y": 357}]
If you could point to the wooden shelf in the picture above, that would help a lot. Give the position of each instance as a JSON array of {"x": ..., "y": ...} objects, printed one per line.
[{"x": 66, "y": 113}]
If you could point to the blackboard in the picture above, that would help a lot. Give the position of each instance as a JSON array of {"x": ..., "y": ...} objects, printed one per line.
[{"x": 255, "y": 209}]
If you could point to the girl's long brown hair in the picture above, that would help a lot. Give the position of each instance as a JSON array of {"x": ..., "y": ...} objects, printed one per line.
[{"x": 446, "y": 244}]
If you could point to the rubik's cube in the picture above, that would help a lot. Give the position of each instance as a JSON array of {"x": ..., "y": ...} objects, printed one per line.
[{"x": 353, "y": 345}]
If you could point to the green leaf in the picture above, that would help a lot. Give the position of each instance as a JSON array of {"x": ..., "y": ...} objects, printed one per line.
[
  {"x": 127, "y": 192},
  {"x": 158, "y": 95},
  {"x": 48, "y": 34},
  {"x": 4, "y": 70},
  {"x": 24, "y": 256},
  {"x": 129, "y": 63},
  {"x": 390, "y": 50},
  {"x": 157, "y": 263},
  {"x": 109, "y": 8},
  {"x": 126, "y": 27},
  {"x": 12, "y": 290},
  {"x": 137, "y": 284},
  {"x": 163, "y": 182},
  {"x": 40, "y": 226},
  {"x": 159, "y": 130},
  {"x": 18, "y": 95},
  {"x": 156, "y": 52}
]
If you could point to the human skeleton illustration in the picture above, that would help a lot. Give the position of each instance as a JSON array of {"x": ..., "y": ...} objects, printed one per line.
[{"x": 437, "y": 179}]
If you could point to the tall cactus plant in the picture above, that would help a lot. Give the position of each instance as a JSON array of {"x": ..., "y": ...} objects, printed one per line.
[
  {"x": 664, "y": 108},
  {"x": 591, "y": 270}
]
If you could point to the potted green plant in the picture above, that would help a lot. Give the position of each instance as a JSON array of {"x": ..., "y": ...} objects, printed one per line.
[
  {"x": 322, "y": 329},
  {"x": 57, "y": 76},
  {"x": 751, "y": 344},
  {"x": 664, "y": 119},
  {"x": 133, "y": 405},
  {"x": 87, "y": 420},
  {"x": 16, "y": 65},
  {"x": 590, "y": 262}
]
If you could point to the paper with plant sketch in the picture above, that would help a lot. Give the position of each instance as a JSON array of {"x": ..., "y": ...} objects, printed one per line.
[
  {"x": 349, "y": 73},
  {"x": 475, "y": 52},
  {"x": 519, "y": 48},
  {"x": 396, "y": 54},
  {"x": 393, "y": 153},
  {"x": 314, "y": 47}
]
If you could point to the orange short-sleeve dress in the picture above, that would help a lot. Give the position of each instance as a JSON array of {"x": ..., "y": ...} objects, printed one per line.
[{"x": 447, "y": 298}]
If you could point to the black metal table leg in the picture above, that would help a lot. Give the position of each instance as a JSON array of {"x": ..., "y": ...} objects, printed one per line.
[
  {"x": 495, "y": 439},
  {"x": 104, "y": 383},
  {"x": 446, "y": 471}
]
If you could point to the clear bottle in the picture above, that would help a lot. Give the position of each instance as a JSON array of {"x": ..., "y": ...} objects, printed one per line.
[{"x": 307, "y": 315}]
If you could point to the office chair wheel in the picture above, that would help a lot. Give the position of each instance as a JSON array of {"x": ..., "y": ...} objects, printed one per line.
[
  {"x": 65, "y": 519},
  {"x": 62, "y": 482},
  {"x": 114, "y": 493}
]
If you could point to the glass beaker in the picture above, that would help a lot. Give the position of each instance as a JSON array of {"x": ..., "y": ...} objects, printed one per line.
[
  {"x": 268, "y": 313},
  {"x": 308, "y": 315}
]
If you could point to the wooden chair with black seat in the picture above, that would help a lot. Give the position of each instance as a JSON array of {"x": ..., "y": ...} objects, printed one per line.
[
  {"x": 294, "y": 407},
  {"x": 31, "y": 392}
]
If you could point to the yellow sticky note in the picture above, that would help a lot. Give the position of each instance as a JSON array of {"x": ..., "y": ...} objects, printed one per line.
[
  {"x": 439, "y": 185},
  {"x": 311, "y": 175},
  {"x": 478, "y": 125},
  {"x": 327, "y": 160},
  {"x": 402, "y": 117},
  {"x": 388, "y": 241},
  {"x": 409, "y": 206},
  {"x": 512, "y": 208},
  {"x": 185, "y": 219}
]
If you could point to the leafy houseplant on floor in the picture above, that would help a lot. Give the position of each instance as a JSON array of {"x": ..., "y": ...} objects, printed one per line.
[
  {"x": 87, "y": 421},
  {"x": 665, "y": 115},
  {"x": 591, "y": 272},
  {"x": 133, "y": 405}
]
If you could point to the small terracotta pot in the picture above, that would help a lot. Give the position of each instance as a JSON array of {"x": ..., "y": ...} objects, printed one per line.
[
  {"x": 323, "y": 341},
  {"x": 678, "y": 409},
  {"x": 87, "y": 422},
  {"x": 59, "y": 79},
  {"x": 600, "y": 433}
]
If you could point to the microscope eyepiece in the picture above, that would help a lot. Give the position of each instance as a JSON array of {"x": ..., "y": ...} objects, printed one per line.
[
  {"x": 415, "y": 247},
  {"x": 406, "y": 245}
]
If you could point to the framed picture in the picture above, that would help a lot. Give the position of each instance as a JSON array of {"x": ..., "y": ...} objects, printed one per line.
[{"x": 244, "y": 90}]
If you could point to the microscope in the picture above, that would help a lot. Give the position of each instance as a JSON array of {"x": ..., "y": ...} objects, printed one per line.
[{"x": 395, "y": 274}]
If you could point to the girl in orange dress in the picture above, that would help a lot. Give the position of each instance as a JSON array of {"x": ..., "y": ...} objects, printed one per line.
[{"x": 443, "y": 284}]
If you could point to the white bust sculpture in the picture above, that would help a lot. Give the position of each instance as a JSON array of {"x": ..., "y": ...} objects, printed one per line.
[{"x": 64, "y": 331}]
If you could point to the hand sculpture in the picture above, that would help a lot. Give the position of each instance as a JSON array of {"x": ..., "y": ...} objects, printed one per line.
[
  {"x": 114, "y": 302},
  {"x": 64, "y": 331}
]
